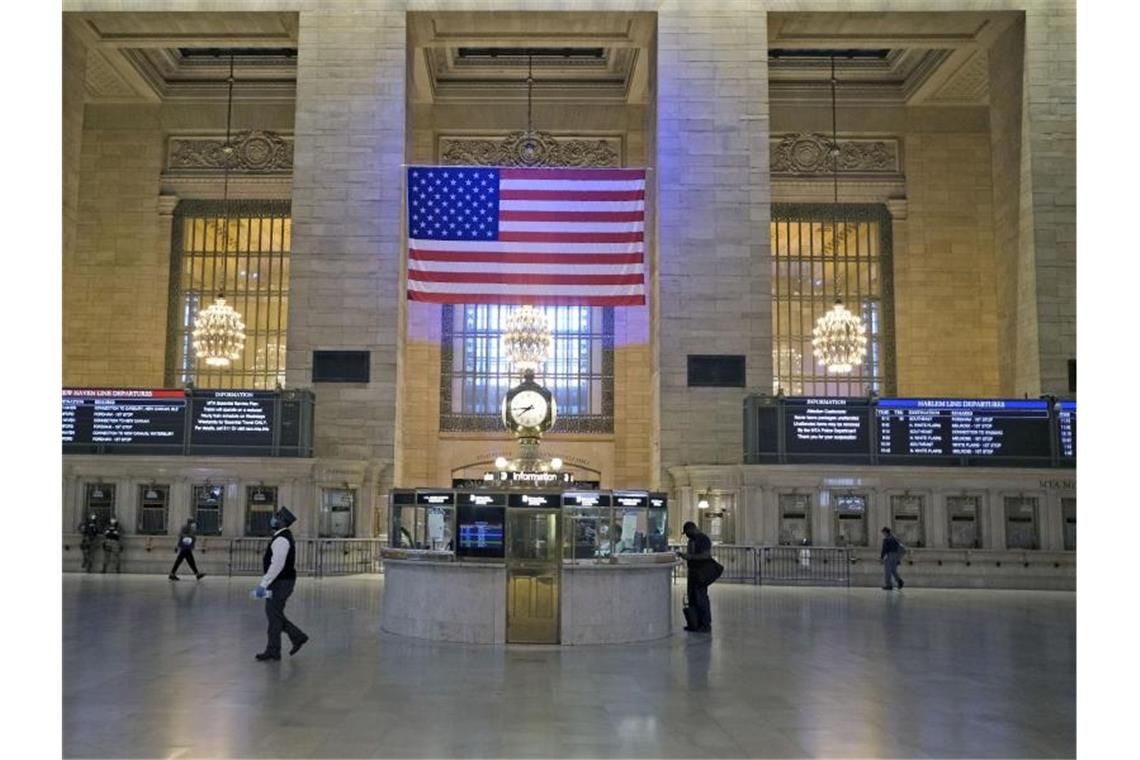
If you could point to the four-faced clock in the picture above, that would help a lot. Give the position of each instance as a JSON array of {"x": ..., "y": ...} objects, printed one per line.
[{"x": 528, "y": 409}]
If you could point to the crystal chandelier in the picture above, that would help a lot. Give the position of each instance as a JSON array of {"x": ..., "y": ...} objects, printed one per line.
[
  {"x": 219, "y": 333},
  {"x": 528, "y": 338},
  {"x": 839, "y": 338}
]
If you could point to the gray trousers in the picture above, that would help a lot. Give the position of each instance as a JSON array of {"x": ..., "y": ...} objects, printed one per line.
[{"x": 891, "y": 568}]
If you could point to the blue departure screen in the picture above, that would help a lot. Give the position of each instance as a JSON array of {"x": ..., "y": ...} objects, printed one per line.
[
  {"x": 480, "y": 530},
  {"x": 1067, "y": 429},
  {"x": 980, "y": 429}
]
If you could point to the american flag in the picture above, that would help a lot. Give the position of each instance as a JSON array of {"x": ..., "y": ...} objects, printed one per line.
[{"x": 537, "y": 236}]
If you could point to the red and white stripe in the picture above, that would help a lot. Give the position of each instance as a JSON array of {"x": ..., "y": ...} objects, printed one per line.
[{"x": 567, "y": 236}]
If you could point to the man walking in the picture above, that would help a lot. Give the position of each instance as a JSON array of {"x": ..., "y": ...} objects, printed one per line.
[
  {"x": 700, "y": 559},
  {"x": 890, "y": 555},
  {"x": 277, "y": 585},
  {"x": 185, "y": 549}
]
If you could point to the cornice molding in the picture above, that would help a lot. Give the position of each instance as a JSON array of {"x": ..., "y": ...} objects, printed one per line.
[{"x": 536, "y": 149}]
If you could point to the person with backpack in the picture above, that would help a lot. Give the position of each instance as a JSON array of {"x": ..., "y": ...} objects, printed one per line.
[
  {"x": 89, "y": 531},
  {"x": 891, "y": 554},
  {"x": 112, "y": 546}
]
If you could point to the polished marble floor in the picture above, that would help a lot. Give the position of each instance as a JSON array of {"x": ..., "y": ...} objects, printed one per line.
[{"x": 157, "y": 669}]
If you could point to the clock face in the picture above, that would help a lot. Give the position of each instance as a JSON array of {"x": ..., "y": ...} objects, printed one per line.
[{"x": 528, "y": 409}]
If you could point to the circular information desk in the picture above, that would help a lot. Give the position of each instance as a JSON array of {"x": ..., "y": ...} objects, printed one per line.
[{"x": 607, "y": 601}]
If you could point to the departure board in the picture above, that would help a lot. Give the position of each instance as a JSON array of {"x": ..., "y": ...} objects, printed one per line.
[
  {"x": 232, "y": 418},
  {"x": 982, "y": 430},
  {"x": 827, "y": 429},
  {"x": 123, "y": 417},
  {"x": 1067, "y": 429}
]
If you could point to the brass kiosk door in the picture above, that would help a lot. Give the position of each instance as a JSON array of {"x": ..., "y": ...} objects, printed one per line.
[{"x": 534, "y": 566}]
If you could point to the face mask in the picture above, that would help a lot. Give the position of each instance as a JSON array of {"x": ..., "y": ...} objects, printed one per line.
[{"x": 274, "y": 523}]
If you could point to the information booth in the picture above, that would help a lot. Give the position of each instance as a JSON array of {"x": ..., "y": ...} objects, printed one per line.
[{"x": 528, "y": 566}]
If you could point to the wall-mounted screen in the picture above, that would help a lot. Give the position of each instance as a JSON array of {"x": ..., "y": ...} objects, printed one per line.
[
  {"x": 1067, "y": 429},
  {"x": 534, "y": 500},
  {"x": 984, "y": 431},
  {"x": 121, "y": 419},
  {"x": 827, "y": 430},
  {"x": 480, "y": 530},
  {"x": 232, "y": 418},
  {"x": 586, "y": 499}
]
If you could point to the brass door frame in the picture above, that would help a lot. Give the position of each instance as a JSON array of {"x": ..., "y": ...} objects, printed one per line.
[{"x": 531, "y": 568}]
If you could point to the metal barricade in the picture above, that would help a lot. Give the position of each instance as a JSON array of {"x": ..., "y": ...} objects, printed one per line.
[
  {"x": 316, "y": 557},
  {"x": 739, "y": 563},
  {"x": 806, "y": 565}
]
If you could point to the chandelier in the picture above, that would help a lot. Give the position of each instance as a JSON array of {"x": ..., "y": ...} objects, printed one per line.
[
  {"x": 528, "y": 338},
  {"x": 839, "y": 338},
  {"x": 219, "y": 333}
]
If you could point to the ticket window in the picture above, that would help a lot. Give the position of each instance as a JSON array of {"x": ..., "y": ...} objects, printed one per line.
[
  {"x": 1069, "y": 515},
  {"x": 906, "y": 519},
  {"x": 154, "y": 506},
  {"x": 338, "y": 507},
  {"x": 260, "y": 504},
  {"x": 1021, "y": 522},
  {"x": 99, "y": 500},
  {"x": 851, "y": 520},
  {"x": 795, "y": 519},
  {"x": 208, "y": 502},
  {"x": 964, "y": 512},
  {"x": 717, "y": 521}
]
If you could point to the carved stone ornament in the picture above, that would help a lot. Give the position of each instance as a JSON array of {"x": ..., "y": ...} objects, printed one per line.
[
  {"x": 528, "y": 149},
  {"x": 255, "y": 152},
  {"x": 807, "y": 154}
]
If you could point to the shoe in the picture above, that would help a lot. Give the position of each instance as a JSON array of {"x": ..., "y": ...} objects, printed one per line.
[
  {"x": 263, "y": 656},
  {"x": 173, "y": 577},
  {"x": 705, "y": 629},
  {"x": 200, "y": 576},
  {"x": 900, "y": 584},
  {"x": 887, "y": 588},
  {"x": 688, "y": 628},
  {"x": 297, "y": 645}
]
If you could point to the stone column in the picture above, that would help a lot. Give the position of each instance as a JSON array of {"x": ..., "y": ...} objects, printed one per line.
[
  {"x": 74, "y": 87},
  {"x": 347, "y": 208},
  {"x": 712, "y": 218}
]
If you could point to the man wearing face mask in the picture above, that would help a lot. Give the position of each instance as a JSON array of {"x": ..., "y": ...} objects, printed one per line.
[
  {"x": 112, "y": 546},
  {"x": 89, "y": 530},
  {"x": 277, "y": 585}
]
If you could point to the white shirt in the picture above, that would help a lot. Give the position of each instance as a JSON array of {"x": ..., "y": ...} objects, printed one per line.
[{"x": 280, "y": 549}]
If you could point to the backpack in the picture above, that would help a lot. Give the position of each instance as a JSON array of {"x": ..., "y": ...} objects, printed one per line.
[{"x": 902, "y": 548}]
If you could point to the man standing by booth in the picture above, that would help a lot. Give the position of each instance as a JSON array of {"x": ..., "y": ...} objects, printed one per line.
[
  {"x": 703, "y": 570},
  {"x": 277, "y": 585}
]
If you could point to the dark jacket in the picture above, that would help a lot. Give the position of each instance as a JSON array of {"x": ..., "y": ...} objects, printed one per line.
[
  {"x": 187, "y": 532},
  {"x": 890, "y": 545}
]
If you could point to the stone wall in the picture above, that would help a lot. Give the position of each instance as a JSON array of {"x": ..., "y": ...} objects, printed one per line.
[
  {"x": 712, "y": 218},
  {"x": 346, "y": 257}
]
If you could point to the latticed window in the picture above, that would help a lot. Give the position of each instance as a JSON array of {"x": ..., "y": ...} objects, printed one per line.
[
  {"x": 807, "y": 270},
  {"x": 476, "y": 373},
  {"x": 253, "y": 274}
]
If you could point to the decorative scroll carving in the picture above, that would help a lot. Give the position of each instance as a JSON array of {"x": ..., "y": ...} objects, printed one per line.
[
  {"x": 255, "y": 152},
  {"x": 808, "y": 154},
  {"x": 533, "y": 149}
]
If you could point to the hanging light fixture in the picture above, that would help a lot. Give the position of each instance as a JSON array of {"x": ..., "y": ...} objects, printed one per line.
[
  {"x": 219, "y": 333},
  {"x": 839, "y": 338},
  {"x": 528, "y": 338}
]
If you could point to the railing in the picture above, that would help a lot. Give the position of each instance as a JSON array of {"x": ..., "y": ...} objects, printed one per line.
[
  {"x": 777, "y": 565},
  {"x": 808, "y": 565},
  {"x": 317, "y": 557}
]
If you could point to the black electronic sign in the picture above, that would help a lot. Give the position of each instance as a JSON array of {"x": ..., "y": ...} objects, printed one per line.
[
  {"x": 237, "y": 419},
  {"x": 827, "y": 430},
  {"x": 630, "y": 498},
  {"x": 123, "y": 419},
  {"x": 480, "y": 499},
  {"x": 1067, "y": 429},
  {"x": 481, "y": 531},
  {"x": 542, "y": 500},
  {"x": 658, "y": 501},
  {"x": 586, "y": 499},
  {"x": 435, "y": 498},
  {"x": 982, "y": 431}
]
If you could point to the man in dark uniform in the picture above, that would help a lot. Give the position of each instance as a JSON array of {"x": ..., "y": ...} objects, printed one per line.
[
  {"x": 112, "y": 546},
  {"x": 890, "y": 555},
  {"x": 699, "y": 556},
  {"x": 185, "y": 550},
  {"x": 277, "y": 585},
  {"x": 89, "y": 530}
]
